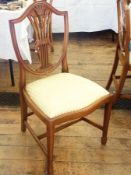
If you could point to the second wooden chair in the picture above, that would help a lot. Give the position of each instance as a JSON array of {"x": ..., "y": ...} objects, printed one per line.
[{"x": 122, "y": 62}]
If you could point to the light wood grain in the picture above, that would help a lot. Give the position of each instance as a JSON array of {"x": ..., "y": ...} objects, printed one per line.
[{"x": 77, "y": 149}]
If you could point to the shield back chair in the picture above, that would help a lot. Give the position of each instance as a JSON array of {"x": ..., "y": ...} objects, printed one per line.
[
  {"x": 57, "y": 99},
  {"x": 123, "y": 52}
]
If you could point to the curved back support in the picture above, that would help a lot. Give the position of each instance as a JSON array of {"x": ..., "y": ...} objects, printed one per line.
[
  {"x": 39, "y": 14},
  {"x": 123, "y": 27}
]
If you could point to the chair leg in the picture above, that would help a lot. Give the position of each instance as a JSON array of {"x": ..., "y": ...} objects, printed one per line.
[
  {"x": 107, "y": 113},
  {"x": 50, "y": 147},
  {"x": 23, "y": 113},
  {"x": 114, "y": 68},
  {"x": 11, "y": 72}
]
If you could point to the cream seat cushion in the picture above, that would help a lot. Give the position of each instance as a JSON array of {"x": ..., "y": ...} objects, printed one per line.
[{"x": 64, "y": 92}]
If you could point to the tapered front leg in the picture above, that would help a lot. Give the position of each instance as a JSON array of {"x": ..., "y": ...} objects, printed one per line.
[
  {"x": 23, "y": 113},
  {"x": 107, "y": 113},
  {"x": 50, "y": 147}
]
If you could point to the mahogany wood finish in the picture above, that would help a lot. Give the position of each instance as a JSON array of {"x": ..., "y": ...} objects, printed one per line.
[
  {"x": 39, "y": 14},
  {"x": 122, "y": 52}
]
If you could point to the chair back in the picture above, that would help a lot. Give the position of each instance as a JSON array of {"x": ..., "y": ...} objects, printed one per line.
[
  {"x": 39, "y": 15},
  {"x": 124, "y": 29}
]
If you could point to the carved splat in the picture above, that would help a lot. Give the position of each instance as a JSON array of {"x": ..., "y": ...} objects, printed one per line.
[{"x": 40, "y": 19}]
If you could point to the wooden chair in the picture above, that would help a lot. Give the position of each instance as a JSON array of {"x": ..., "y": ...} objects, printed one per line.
[
  {"x": 123, "y": 52},
  {"x": 60, "y": 99}
]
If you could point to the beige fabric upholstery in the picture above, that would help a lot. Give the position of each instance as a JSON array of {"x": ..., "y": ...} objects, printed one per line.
[{"x": 64, "y": 92}]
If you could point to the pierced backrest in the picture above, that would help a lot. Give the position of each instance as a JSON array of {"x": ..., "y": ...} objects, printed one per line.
[
  {"x": 123, "y": 26},
  {"x": 38, "y": 16}
]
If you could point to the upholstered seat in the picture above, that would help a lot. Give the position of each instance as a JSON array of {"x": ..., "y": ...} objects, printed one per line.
[{"x": 64, "y": 92}]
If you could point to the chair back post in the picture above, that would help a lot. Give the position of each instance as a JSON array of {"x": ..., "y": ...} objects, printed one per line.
[{"x": 66, "y": 37}]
